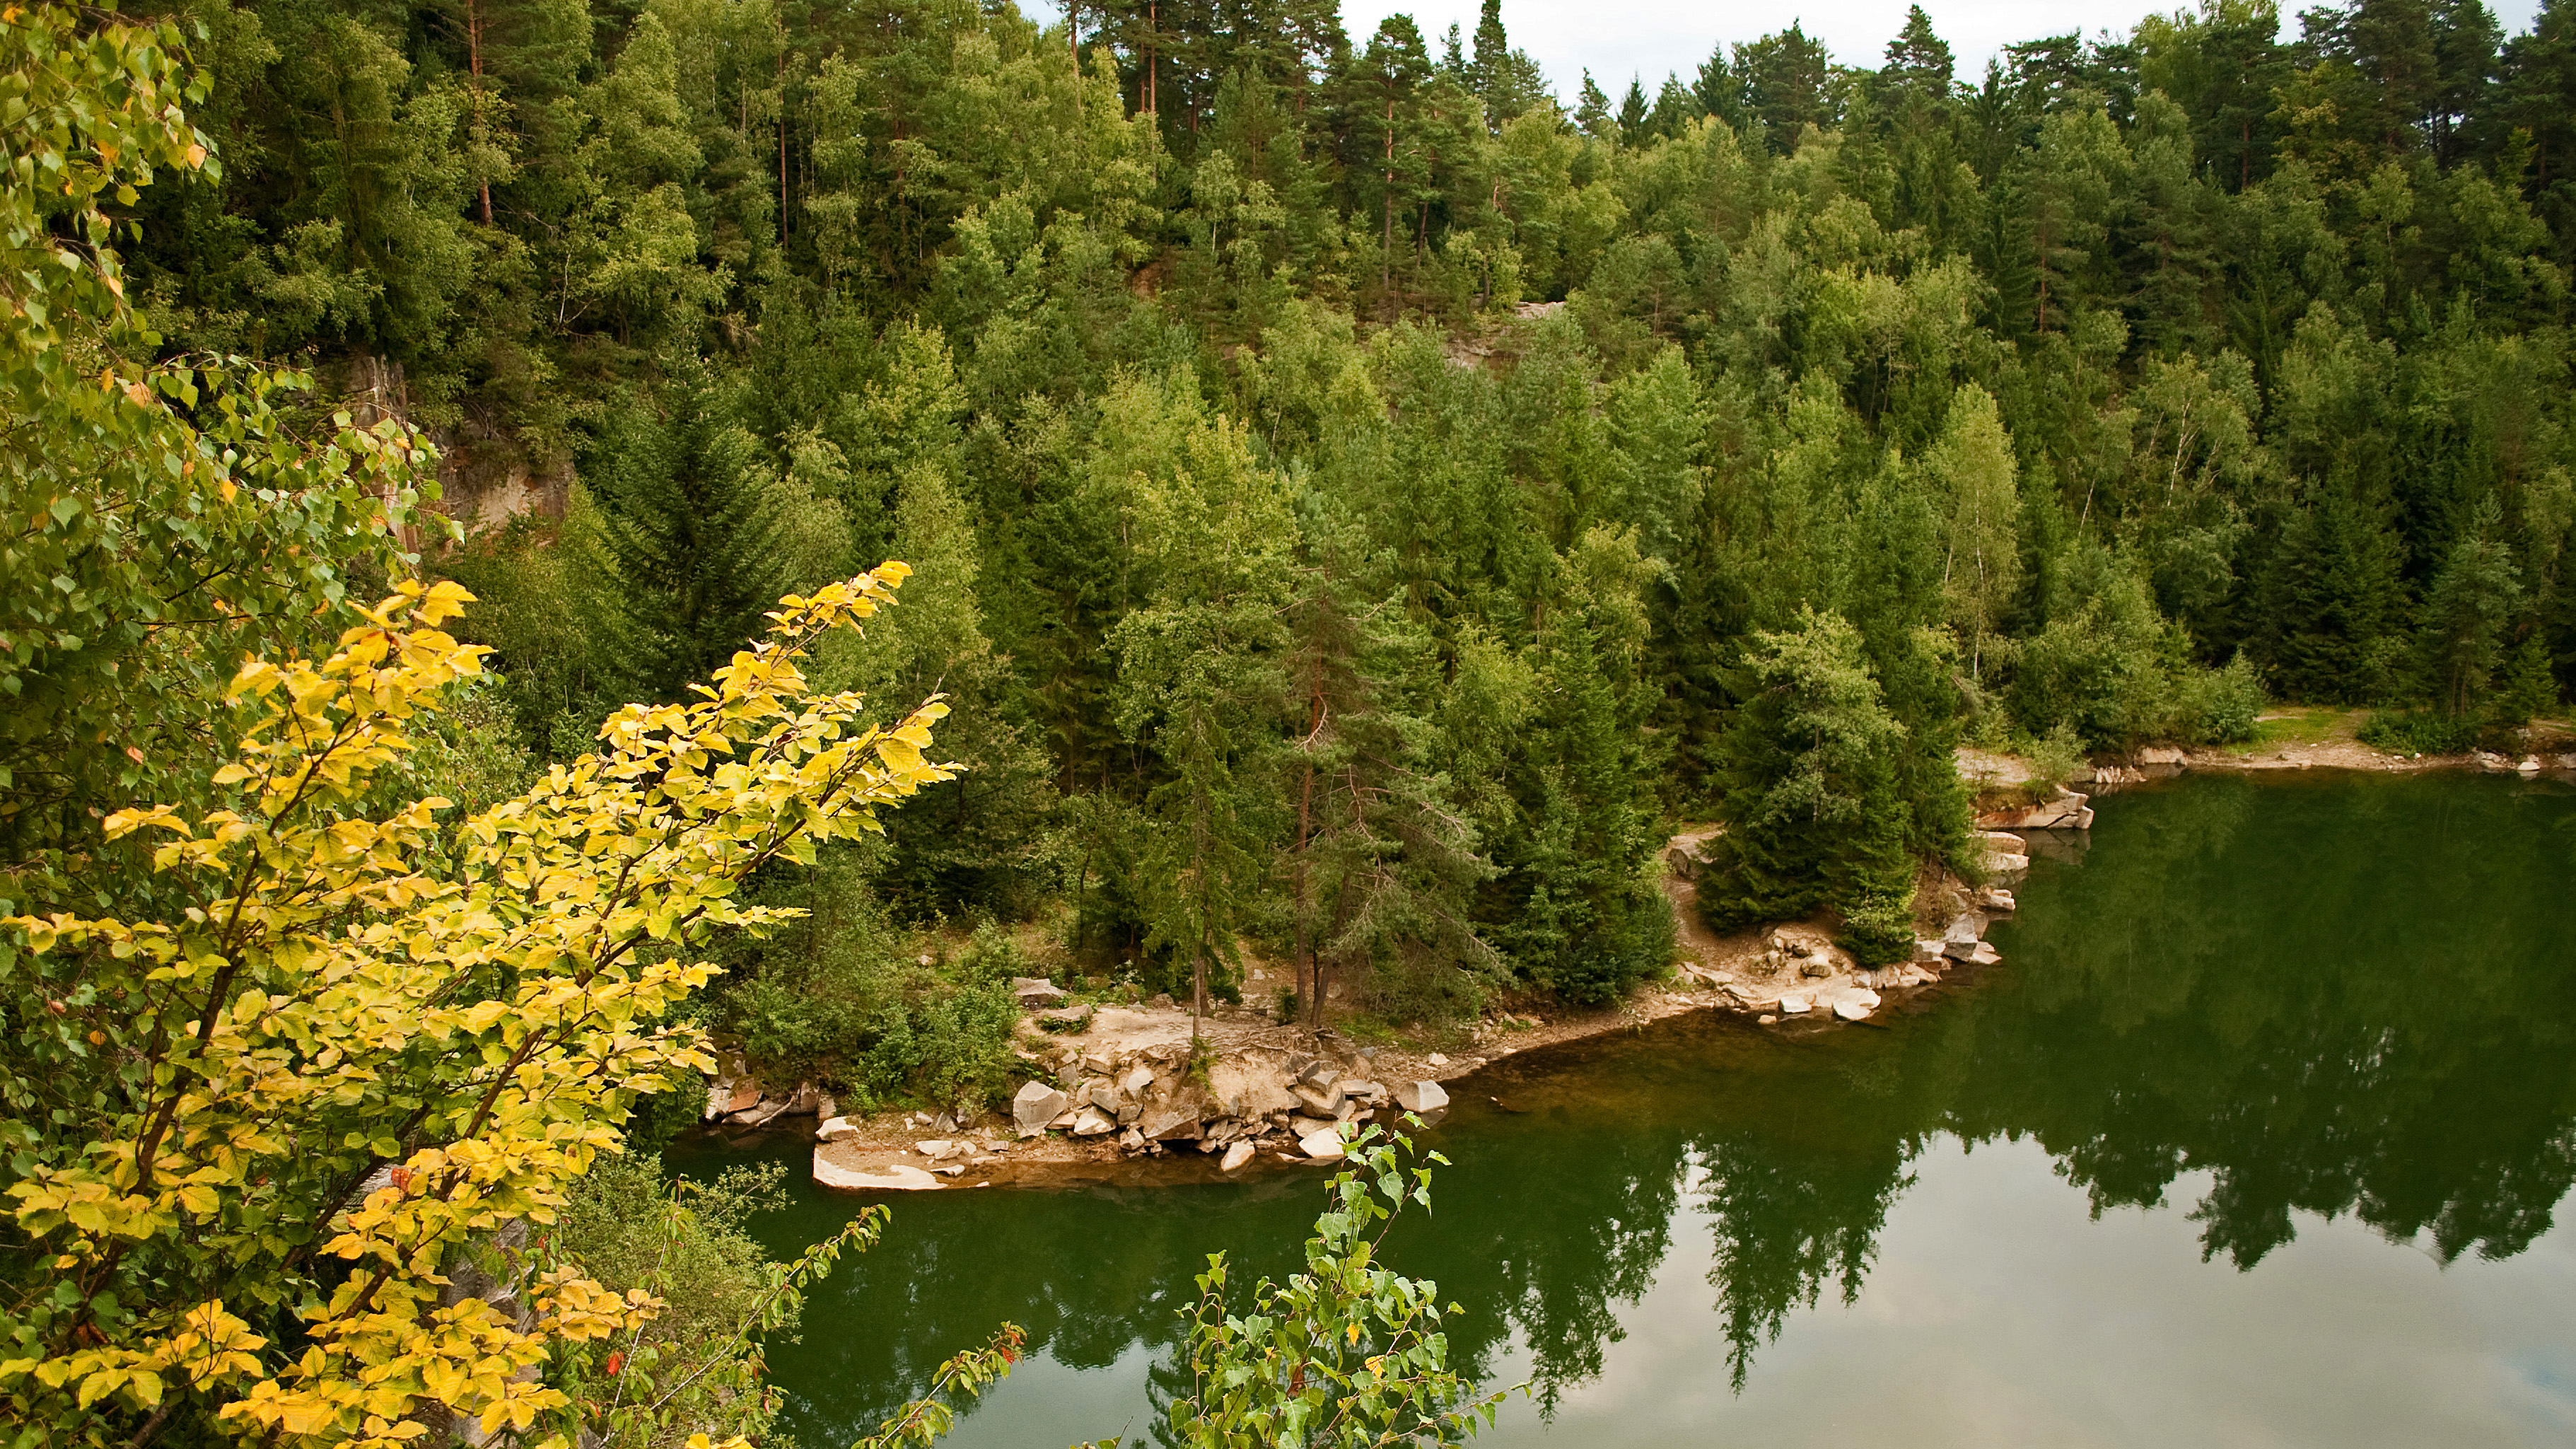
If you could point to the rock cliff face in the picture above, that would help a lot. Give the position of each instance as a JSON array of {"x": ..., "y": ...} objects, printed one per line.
[{"x": 2068, "y": 810}]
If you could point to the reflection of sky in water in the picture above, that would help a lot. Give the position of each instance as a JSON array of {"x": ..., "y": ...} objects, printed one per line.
[{"x": 1998, "y": 1314}]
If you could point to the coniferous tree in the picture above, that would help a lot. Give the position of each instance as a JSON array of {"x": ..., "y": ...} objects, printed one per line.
[
  {"x": 1811, "y": 806},
  {"x": 689, "y": 548},
  {"x": 1592, "y": 110},
  {"x": 2472, "y": 599},
  {"x": 2334, "y": 630}
]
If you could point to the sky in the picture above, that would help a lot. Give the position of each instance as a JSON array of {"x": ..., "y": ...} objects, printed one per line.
[{"x": 1619, "y": 38}]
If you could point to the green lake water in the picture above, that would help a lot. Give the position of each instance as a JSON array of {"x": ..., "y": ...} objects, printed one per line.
[{"x": 2259, "y": 1136}]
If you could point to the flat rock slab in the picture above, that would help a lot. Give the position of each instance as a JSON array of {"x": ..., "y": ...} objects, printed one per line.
[
  {"x": 1855, "y": 1004},
  {"x": 1323, "y": 1146},
  {"x": 836, "y": 1165},
  {"x": 1235, "y": 1156}
]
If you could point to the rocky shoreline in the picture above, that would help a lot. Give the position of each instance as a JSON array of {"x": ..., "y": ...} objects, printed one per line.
[{"x": 1144, "y": 1094}]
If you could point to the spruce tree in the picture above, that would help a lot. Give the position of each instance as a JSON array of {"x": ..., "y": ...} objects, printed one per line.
[
  {"x": 2335, "y": 626},
  {"x": 1811, "y": 805},
  {"x": 687, "y": 551},
  {"x": 2472, "y": 598}
]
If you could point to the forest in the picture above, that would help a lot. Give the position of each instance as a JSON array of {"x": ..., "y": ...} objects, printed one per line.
[{"x": 1357, "y": 500}]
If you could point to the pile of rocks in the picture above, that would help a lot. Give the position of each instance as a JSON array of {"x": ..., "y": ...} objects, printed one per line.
[
  {"x": 1159, "y": 1099},
  {"x": 2006, "y": 854},
  {"x": 734, "y": 1099}
]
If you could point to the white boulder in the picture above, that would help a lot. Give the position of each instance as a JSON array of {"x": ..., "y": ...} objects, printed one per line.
[
  {"x": 1323, "y": 1146},
  {"x": 1036, "y": 1105},
  {"x": 1421, "y": 1096}
]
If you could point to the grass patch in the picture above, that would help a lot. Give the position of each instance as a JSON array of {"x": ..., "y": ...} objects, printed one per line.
[{"x": 2293, "y": 726}]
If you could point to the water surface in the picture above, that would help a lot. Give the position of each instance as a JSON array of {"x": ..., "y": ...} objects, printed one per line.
[{"x": 2257, "y": 1137}]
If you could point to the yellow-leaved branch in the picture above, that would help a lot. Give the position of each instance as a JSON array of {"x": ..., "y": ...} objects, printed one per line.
[{"x": 463, "y": 1012}]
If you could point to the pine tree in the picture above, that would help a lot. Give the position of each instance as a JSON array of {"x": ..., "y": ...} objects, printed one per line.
[
  {"x": 1507, "y": 79},
  {"x": 1198, "y": 681},
  {"x": 1381, "y": 863},
  {"x": 1576, "y": 908},
  {"x": 1785, "y": 77}
]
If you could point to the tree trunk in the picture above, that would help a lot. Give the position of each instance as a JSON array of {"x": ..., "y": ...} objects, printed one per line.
[
  {"x": 474, "y": 64},
  {"x": 1386, "y": 249}
]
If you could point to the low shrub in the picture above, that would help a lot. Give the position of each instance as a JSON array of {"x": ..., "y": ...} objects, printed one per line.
[{"x": 2421, "y": 732}]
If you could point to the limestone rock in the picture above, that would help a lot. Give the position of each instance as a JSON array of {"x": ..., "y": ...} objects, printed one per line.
[
  {"x": 1036, "y": 1105},
  {"x": 1856, "y": 1004},
  {"x": 1323, "y": 1146},
  {"x": 836, "y": 1129},
  {"x": 1036, "y": 993},
  {"x": 1101, "y": 1095},
  {"x": 1235, "y": 1156},
  {"x": 2066, "y": 812},
  {"x": 936, "y": 1148},
  {"x": 1092, "y": 1122},
  {"x": 1421, "y": 1096},
  {"x": 1961, "y": 941},
  {"x": 1321, "y": 1102},
  {"x": 1793, "y": 1006},
  {"x": 1170, "y": 1121},
  {"x": 838, "y": 1166},
  {"x": 2155, "y": 755}
]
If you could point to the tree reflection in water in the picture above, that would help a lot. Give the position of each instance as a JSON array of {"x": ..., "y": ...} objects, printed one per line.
[{"x": 2333, "y": 996}]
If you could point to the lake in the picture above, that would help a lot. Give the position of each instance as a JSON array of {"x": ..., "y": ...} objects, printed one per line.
[{"x": 2258, "y": 1136}]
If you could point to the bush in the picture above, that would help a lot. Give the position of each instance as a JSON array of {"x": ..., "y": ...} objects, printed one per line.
[
  {"x": 2420, "y": 732},
  {"x": 1878, "y": 925},
  {"x": 2219, "y": 706},
  {"x": 844, "y": 998}
]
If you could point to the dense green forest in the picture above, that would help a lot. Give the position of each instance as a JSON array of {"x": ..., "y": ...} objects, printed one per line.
[
  {"x": 1360, "y": 499},
  {"x": 1353, "y": 504}
]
